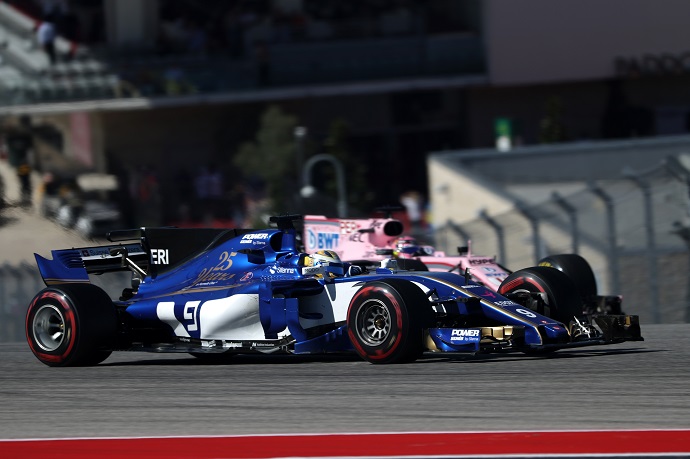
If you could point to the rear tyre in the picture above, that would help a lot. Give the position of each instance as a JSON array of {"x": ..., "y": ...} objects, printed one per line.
[
  {"x": 71, "y": 325},
  {"x": 580, "y": 272},
  {"x": 386, "y": 321},
  {"x": 559, "y": 292}
]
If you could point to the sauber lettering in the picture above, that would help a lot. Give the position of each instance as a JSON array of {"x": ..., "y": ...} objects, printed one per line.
[
  {"x": 160, "y": 256},
  {"x": 104, "y": 252}
]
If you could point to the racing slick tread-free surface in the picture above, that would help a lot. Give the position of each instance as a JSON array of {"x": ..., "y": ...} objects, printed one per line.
[
  {"x": 88, "y": 328},
  {"x": 579, "y": 271},
  {"x": 396, "y": 306},
  {"x": 563, "y": 304}
]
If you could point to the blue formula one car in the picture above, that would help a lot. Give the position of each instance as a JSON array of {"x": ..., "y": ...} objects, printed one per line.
[{"x": 217, "y": 292}]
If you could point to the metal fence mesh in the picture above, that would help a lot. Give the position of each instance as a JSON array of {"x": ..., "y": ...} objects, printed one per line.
[{"x": 634, "y": 231}]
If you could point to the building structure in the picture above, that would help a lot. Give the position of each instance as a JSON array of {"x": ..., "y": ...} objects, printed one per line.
[{"x": 162, "y": 81}]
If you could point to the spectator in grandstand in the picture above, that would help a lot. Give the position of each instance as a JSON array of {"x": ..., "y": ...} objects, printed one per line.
[{"x": 45, "y": 35}]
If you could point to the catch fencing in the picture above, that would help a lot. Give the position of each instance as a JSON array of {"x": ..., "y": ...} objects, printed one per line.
[
  {"x": 18, "y": 285},
  {"x": 634, "y": 231}
]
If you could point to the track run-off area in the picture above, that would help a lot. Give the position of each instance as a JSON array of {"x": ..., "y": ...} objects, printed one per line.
[{"x": 624, "y": 400}]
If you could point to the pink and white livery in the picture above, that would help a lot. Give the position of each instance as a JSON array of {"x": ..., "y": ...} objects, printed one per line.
[{"x": 379, "y": 240}]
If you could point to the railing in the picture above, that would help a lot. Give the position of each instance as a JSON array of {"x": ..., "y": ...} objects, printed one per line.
[{"x": 283, "y": 65}]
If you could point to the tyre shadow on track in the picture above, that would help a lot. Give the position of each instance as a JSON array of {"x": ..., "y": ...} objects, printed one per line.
[{"x": 428, "y": 358}]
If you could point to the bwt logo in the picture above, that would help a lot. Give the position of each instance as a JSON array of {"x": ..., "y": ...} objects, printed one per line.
[
  {"x": 468, "y": 333},
  {"x": 323, "y": 240},
  {"x": 160, "y": 256}
]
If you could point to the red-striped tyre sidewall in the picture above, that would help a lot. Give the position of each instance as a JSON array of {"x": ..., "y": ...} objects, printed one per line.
[
  {"x": 562, "y": 293},
  {"x": 90, "y": 325},
  {"x": 403, "y": 343},
  {"x": 63, "y": 353}
]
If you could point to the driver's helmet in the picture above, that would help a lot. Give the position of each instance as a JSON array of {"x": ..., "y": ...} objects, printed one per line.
[
  {"x": 323, "y": 257},
  {"x": 406, "y": 247}
]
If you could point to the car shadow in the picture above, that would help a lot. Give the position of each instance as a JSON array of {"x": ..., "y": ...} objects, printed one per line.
[
  {"x": 300, "y": 359},
  {"x": 514, "y": 356},
  {"x": 239, "y": 359}
]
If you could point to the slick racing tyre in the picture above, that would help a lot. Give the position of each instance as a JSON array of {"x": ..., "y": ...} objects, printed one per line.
[
  {"x": 386, "y": 320},
  {"x": 580, "y": 272},
  {"x": 71, "y": 325},
  {"x": 560, "y": 295}
]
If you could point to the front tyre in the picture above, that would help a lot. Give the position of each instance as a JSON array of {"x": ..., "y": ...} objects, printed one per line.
[
  {"x": 580, "y": 272},
  {"x": 71, "y": 325},
  {"x": 560, "y": 296},
  {"x": 386, "y": 321}
]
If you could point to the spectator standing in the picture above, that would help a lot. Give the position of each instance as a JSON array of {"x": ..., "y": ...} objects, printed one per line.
[
  {"x": 45, "y": 35},
  {"x": 414, "y": 205},
  {"x": 263, "y": 62},
  {"x": 19, "y": 146},
  {"x": 209, "y": 191},
  {"x": 149, "y": 198}
]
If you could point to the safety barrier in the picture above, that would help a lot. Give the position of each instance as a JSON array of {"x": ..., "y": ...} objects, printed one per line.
[{"x": 634, "y": 231}]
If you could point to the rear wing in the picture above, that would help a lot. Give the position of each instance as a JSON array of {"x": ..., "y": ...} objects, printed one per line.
[
  {"x": 75, "y": 265},
  {"x": 144, "y": 251}
]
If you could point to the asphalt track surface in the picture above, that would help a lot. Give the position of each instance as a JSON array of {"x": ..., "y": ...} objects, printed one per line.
[{"x": 638, "y": 386}]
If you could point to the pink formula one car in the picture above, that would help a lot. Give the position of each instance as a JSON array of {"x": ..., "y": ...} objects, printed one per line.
[{"x": 377, "y": 242}]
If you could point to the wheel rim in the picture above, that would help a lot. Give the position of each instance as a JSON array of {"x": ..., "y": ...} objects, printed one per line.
[
  {"x": 373, "y": 323},
  {"x": 49, "y": 327}
]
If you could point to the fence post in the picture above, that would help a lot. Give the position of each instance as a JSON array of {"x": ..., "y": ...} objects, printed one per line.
[
  {"x": 499, "y": 235},
  {"x": 572, "y": 215},
  {"x": 6, "y": 325},
  {"x": 457, "y": 229},
  {"x": 35, "y": 276},
  {"x": 614, "y": 271},
  {"x": 534, "y": 222},
  {"x": 679, "y": 167},
  {"x": 651, "y": 242}
]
